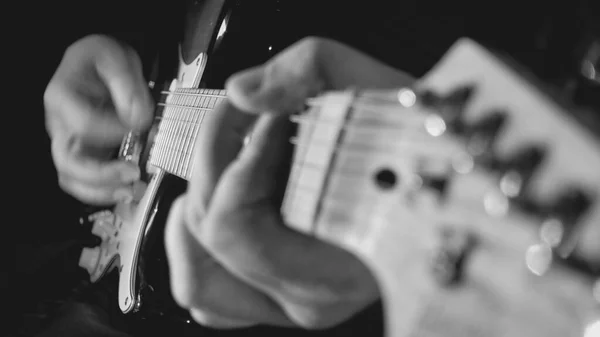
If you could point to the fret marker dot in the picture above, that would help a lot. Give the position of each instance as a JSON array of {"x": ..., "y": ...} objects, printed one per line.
[
  {"x": 435, "y": 125},
  {"x": 539, "y": 258},
  {"x": 496, "y": 204},
  {"x": 552, "y": 231},
  {"x": 593, "y": 329},
  {"x": 407, "y": 98},
  {"x": 386, "y": 179}
]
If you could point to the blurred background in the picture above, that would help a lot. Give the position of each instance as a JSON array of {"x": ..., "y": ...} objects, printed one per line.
[{"x": 558, "y": 41}]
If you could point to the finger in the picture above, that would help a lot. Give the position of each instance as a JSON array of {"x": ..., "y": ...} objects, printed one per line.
[
  {"x": 305, "y": 69},
  {"x": 82, "y": 114},
  {"x": 217, "y": 322},
  {"x": 198, "y": 282},
  {"x": 244, "y": 232},
  {"x": 218, "y": 143},
  {"x": 71, "y": 161},
  {"x": 99, "y": 92},
  {"x": 96, "y": 195},
  {"x": 121, "y": 70}
]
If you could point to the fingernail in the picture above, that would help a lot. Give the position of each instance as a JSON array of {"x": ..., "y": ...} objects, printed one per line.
[
  {"x": 123, "y": 195},
  {"x": 130, "y": 174}
]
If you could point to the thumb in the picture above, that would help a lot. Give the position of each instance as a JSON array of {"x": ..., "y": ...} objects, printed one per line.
[
  {"x": 260, "y": 168},
  {"x": 304, "y": 70},
  {"x": 120, "y": 69},
  {"x": 274, "y": 87}
]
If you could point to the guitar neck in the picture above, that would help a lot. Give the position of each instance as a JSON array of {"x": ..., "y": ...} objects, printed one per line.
[{"x": 180, "y": 123}]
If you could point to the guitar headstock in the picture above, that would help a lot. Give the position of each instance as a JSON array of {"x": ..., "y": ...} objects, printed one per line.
[
  {"x": 473, "y": 197},
  {"x": 547, "y": 166}
]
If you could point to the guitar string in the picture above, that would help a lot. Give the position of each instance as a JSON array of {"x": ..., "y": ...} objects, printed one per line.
[
  {"x": 427, "y": 141},
  {"x": 202, "y": 93},
  {"x": 300, "y": 164},
  {"x": 293, "y": 140},
  {"x": 301, "y": 119},
  {"x": 294, "y": 118}
]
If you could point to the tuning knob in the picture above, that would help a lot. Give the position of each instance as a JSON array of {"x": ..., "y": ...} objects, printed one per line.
[
  {"x": 482, "y": 134},
  {"x": 454, "y": 247},
  {"x": 568, "y": 208},
  {"x": 89, "y": 259},
  {"x": 519, "y": 169},
  {"x": 449, "y": 107}
]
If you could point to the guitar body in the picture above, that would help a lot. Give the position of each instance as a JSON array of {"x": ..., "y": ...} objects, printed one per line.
[
  {"x": 132, "y": 233},
  {"x": 509, "y": 288}
]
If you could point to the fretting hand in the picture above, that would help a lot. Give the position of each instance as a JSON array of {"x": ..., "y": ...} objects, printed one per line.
[{"x": 233, "y": 262}]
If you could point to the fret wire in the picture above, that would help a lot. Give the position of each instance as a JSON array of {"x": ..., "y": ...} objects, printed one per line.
[
  {"x": 201, "y": 102},
  {"x": 174, "y": 149},
  {"x": 155, "y": 150},
  {"x": 190, "y": 132},
  {"x": 166, "y": 131},
  {"x": 163, "y": 134},
  {"x": 165, "y": 127},
  {"x": 189, "y": 126},
  {"x": 291, "y": 200},
  {"x": 181, "y": 131},
  {"x": 191, "y": 138},
  {"x": 183, "y": 154},
  {"x": 216, "y": 93},
  {"x": 324, "y": 156},
  {"x": 173, "y": 134},
  {"x": 183, "y": 106},
  {"x": 323, "y": 174},
  {"x": 193, "y": 123},
  {"x": 171, "y": 131},
  {"x": 174, "y": 138},
  {"x": 190, "y": 149}
]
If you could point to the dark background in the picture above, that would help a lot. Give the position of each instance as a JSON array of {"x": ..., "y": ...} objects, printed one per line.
[{"x": 41, "y": 229}]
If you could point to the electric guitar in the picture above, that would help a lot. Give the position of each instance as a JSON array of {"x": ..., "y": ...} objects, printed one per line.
[
  {"x": 473, "y": 197},
  {"x": 467, "y": 234}
]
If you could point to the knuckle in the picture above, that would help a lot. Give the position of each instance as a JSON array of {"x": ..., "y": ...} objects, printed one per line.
[
  {"x": 205, "y": 317},
  {"x": 82, "y": 193},
  {"x": 81, "y": 123},
  {"x": 188, "y": 288},
  {"x": 316, "y": 318},
  {"x": 190, "y": 273},
  {"x": 51, "y": 100},
  {"x": 208, "y": 318},
  {"x": 64, "y": 183},
  {"x": 89, "y": 43},
  {"x": 310, "y": 44}
]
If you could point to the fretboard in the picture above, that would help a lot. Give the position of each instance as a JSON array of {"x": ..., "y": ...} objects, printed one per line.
[{"x": 184, "y": 110}]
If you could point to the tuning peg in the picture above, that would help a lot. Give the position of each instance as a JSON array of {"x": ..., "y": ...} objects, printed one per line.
[
  {"x": 518, "y": 170},
  {"x": 481, "y": 136},
  {"x": 450, "y": 106},
  {"x": 456, "y": 98},
  {"x": 454, "y": 246},
  {"x": 439, "y": 184},
  {"x": 567, "y": 209},
  {"x": 429, "y": 99},
  {"x": 459, "y": 96}
]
